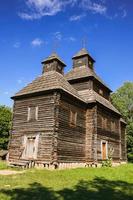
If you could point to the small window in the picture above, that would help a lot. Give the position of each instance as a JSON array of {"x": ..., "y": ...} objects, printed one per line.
[
  {"x": 73, "y": 118},
  {"x": 32, "y": 113},
  {"x": 101, "y": 92},
  {"x": 113, "y": 126},
  {"x": 104, "y": 123}
]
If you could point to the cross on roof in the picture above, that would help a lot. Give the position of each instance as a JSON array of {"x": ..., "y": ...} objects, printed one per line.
[
  {"x": 84, "y": 42},
  {"x": 55, "y": 45}
]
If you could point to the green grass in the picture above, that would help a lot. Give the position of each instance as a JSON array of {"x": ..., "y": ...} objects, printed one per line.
[
  {"x": 3, "y": 165},
  {"x": 75, "y": 184}
]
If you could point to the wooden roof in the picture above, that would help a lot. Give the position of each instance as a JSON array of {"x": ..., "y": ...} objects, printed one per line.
[
  {"x": 53, "y": 56},
  {"x": 81, "y": 53},
  {"x": 54, "y": 80},
  {"x": 92, "y": 96},
  {"x": 83, "y": 72},
  {"x": 123, "y": 121},
  {"x": 48, "y": 81}
]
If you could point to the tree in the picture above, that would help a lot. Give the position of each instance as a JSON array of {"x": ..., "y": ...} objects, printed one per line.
[
  {"x": 123, "y": 101},
  {"x": 5, "y": 126}
]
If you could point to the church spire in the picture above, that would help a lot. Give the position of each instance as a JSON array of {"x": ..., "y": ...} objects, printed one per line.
[{"x": 53, "y": 63}]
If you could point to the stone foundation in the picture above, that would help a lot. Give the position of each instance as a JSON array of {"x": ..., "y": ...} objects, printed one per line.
[
  {"x": 72, "y": 165},
  {"x": 60, "y": 165}
]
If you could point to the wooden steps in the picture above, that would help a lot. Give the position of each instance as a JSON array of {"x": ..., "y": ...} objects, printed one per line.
[{"x": 24, "y": 164}]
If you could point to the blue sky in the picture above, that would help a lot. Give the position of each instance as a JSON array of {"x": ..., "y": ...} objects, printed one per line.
[{"x": 29, "y": 29}]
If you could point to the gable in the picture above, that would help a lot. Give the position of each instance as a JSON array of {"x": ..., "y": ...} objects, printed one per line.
[{"x": 49, "y": 81}]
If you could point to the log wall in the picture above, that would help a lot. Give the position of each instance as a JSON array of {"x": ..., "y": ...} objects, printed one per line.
[
  {"x": 44, "y": 126},
  {"x": 99, "y": 88},
  {"x": 105, "y": 133},
  {"x": 82, "y": 85},
  {"x": 123, "y": 142},
  {"x": 71, "y": 139},
  {"x": 91, "y": 134}
]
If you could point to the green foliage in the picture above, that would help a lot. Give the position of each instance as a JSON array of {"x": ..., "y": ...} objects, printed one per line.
[
  {"x": 5, "y": 126},
  {"x": 107, "y": 163},
  {"x": 130, "y": 157},
  {"x": 123, "y": 101}
]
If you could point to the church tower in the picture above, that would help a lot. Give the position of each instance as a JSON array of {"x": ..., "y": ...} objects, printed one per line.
[
  {"x": 53, "y": 63},
  {"x": 82, "y": 58}
]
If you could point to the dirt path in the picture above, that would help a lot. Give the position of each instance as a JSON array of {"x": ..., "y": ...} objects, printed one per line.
[{"x": 9, "y": 172}]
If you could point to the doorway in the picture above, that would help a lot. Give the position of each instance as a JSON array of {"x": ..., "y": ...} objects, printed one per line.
[
  {"x": 104, "y": 150},
  {"x": 30, "y": 146}
]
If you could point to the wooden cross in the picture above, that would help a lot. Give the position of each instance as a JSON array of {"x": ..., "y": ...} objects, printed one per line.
[
  {"x": 55, "y": 45},
  {"x": 84, "y": 42}
]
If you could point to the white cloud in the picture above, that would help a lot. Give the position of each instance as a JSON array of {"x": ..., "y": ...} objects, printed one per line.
[
  {"x": 124, "y": 14},
  {"x": 58, "y": 35},
  {"x": 40, "y": 8},
  {"x": 28, "y": 16},
  {"x": 36, "y": 9},
  {"x": 121, "y": 12},
  {"x": 77, "y": 17},
  {"x": 72, "y": 39},
  {"x": 97, "y": 8},
  {"x": 20, "y": 81},
  {"x": 6, "y": 93},
  {"x": 36, "y": 42},
  {"x": 16, "y": 45}
]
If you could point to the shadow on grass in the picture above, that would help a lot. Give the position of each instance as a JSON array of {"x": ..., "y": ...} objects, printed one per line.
[{"x": 97, "y": 189}]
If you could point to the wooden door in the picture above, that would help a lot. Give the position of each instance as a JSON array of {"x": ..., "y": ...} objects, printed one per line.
[
  {"x": 30, "y": 148},
  {"x": 103, "y": 150}
]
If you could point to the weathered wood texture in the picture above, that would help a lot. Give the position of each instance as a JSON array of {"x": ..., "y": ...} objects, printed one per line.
[
  {"x": 82, "y": 84},
  {"x": 54, "y": 66},
  {"x": 91, "y": 134},
  {"x": 123, "y": 142},
  {"x": 44, "y": 126},
  {"x": 71, "y": 139},
  {"x": 97, "y": 87},
  {"x": 106, "y": 133}
]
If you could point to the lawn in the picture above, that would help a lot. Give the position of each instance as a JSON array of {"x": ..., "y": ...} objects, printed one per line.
[
  {"x": 3, "y": 165},
  {"x": 75, "y": 184}
]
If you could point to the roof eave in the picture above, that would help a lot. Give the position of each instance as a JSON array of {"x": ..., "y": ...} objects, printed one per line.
[
  {"x": 87, "y": 77},
  {"x": 32, "y": 94},
  {"x": 102, "y": 83},
  {"x": 79, "y": 56},
  {"x": 47, "y": 61},
  {"x": 44, "y": 92},
  {"x": 123, "y": 121},
  {"x": 116, "y": 112}
]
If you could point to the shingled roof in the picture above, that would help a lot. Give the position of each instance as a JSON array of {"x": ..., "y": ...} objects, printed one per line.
[
  {"x": 48, "y": 81},
  {"x": 82, "y": 52},
  {"x": 91, "y": 96},
  {"x": 83, "y": 72},
  {"x": 54, "y": 80},
  {"x": 53, "y": 56}
]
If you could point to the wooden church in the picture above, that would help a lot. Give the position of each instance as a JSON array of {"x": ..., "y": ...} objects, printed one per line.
[{"x": 66, "y": 120}]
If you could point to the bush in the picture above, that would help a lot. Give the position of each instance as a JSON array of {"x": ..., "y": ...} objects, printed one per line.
[
  {"x": 130, "y": 157},
  {"x": 5, "y": 126},
  {"x": 107, "y": 163}
]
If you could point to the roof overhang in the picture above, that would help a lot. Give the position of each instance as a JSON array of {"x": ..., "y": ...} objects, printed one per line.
[
  {"x": 39, "y": 93},
  {"x": 92, "y": 77}
]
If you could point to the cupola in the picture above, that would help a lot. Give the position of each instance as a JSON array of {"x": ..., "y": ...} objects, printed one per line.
[
  {"x": 53, "y": 63},
  {"x": 82, "y": 58}
]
